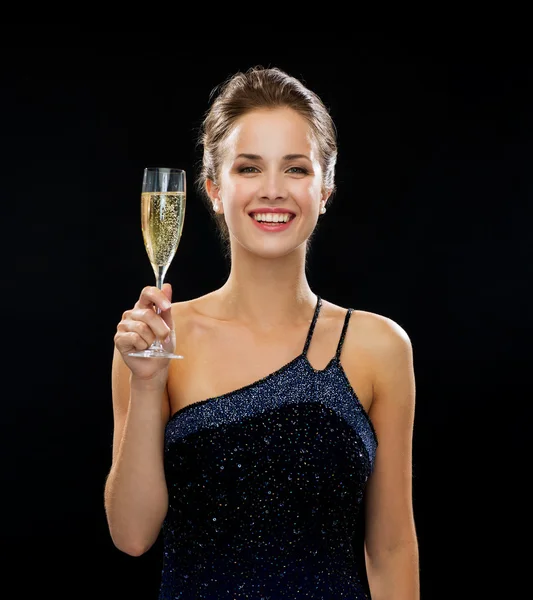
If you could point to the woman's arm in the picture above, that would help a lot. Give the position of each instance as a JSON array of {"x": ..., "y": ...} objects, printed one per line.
[
  {"x": 136, "y": 495},
  {"x": 391, "y": 546}
]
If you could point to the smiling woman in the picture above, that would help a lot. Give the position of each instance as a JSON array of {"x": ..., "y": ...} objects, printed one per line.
[
  {"x": 286, "y": 175},
  {"x": 255, "y": 456},
  {"x": 252, "y": 92}
]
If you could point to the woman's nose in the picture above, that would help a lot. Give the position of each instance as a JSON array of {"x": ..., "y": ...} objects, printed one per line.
[{"x": 274, "y": 186}]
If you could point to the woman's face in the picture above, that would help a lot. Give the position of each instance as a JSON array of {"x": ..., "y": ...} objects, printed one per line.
[{"x": 270, "y": 161}]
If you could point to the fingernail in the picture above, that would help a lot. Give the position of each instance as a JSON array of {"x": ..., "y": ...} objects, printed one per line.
[
  {"x": 167, "y": 339},
  {"x": 166, "y": 304}
]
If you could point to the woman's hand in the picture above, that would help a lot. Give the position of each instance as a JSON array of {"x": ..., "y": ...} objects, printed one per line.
[{"x": 140, "y": 326}]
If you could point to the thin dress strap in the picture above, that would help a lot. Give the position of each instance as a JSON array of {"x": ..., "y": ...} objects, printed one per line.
[
  {"x": 343, "y": 334},
  {"x": 313, "y": 323}
]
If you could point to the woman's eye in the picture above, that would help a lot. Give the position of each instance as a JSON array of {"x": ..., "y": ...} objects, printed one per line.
[{"x": 295, "y": 170}]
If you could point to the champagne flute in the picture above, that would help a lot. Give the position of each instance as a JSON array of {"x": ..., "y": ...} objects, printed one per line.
[{"x": 162, "y": 216}]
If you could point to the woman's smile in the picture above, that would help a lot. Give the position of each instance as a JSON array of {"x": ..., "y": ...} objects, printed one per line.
[{"x": 269, "y": 222}]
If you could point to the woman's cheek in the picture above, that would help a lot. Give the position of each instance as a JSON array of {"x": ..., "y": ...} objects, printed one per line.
[
  {"x": 242, "y": 189},
  {"x": 307, "y": 193}
]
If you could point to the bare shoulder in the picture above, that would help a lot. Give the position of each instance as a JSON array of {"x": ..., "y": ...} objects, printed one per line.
[
  {"x": 385, "y": 334},
  {"x": 378, "y": 332},
  {"x": 185, "y": 313},
  {"x": 386, "y": 341},
  {"x": 192, "y": 323}
]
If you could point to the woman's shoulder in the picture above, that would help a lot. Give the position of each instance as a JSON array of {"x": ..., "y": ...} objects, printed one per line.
[
  {"x": 191, "y": 312},
  {"x": 370, "y": 318},
  {"x": 376, "y": 330}
]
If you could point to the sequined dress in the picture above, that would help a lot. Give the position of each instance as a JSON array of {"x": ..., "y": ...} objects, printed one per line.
[{"x": 266, "y": 485}]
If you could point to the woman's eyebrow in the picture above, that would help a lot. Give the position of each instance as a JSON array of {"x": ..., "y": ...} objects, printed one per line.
[
  {"x": 257, "y": 157},
  {"x": 294, "y": 156},
  {"x": 248, "y": 156}
]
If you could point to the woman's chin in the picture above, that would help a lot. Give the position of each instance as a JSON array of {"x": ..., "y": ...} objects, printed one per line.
[{"x": 274, "y": 249}]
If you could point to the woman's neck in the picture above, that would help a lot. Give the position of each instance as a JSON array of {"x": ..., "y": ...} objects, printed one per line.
[{"x": 266, "y": 293}]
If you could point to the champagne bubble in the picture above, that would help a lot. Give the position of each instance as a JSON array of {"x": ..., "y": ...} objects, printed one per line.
[{"x": 162, "y": 216}]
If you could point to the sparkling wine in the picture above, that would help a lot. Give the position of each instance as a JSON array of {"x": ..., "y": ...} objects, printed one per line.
[{"x": 162, "y": 216}]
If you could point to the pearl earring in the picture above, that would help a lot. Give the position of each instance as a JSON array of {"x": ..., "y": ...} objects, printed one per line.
[
  {"x": 323, "y": 210},
  {"x": 215, "y": 206}
]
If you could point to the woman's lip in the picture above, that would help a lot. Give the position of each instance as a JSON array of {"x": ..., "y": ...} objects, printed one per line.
[
  {"x": 280, "y": 226},
  {"x": 271, "y": 212}
]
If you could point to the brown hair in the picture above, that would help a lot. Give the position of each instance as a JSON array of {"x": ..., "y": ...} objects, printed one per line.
[{"x": 257, "y": 88}]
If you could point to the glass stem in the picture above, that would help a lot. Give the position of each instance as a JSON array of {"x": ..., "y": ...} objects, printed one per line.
[{"x": 159, "y": 278}]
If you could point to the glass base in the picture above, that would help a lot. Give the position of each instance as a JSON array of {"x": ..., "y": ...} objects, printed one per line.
[{"x": 154, "y": 354}]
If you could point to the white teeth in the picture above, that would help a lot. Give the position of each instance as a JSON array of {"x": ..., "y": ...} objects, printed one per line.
[{"x": 272, "y": 217}]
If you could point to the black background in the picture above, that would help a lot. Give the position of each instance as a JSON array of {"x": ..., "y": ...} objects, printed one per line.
[{"x": 429, "y": 226}]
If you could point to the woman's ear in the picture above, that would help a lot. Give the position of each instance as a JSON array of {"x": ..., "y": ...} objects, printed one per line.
[
  {"x": 212, "y": 190},
  {"x": 214, "y": 194}
]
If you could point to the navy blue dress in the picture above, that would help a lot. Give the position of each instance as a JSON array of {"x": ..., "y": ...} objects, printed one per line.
[{"x": 266, "y": 486}]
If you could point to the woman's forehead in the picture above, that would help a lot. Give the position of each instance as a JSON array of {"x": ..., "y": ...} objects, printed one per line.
[{"x": 271, "y": 132}]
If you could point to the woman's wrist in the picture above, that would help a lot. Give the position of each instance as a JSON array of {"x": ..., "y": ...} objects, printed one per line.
[{"x": 155, "y": 384}]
